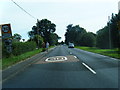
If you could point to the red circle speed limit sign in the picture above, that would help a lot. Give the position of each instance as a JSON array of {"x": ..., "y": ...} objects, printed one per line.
[{"x": 6, "y": 31}]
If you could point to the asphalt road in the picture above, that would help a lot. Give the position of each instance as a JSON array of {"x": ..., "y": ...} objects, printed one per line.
[{"x": 81, "y": 69}]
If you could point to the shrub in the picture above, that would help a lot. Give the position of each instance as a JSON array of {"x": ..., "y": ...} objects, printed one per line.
[
  {"x": 22, "y": 47},
  {"x": 18, "y": 48}
]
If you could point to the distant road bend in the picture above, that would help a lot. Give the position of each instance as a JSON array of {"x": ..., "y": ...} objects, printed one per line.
[{"x": 68, "y": 68}]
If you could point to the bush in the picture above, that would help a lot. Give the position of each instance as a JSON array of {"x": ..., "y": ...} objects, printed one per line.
[
  {"x": 4, "y": 52},
  {"x": 44, "y": 49},
  {"x": 88, "y": 39},
  {"x": 18, "y": 48}
]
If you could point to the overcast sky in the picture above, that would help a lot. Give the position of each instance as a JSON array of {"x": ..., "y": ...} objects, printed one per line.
[{"x": 89, "y": 14}]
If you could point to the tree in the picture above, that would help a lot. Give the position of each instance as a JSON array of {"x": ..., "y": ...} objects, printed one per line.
[
  {"x": 39, "y": 40},
  {"x": 88, "y": 39},
  {"x": 110, "y": 34},
  {"x": 17, "y": 37},
  {"x": 74, "y": 34},
  {"x": 45, "y": 29},
  {"x": 102, "y": 40},
  {"x": 115, "y": 34},
  {"x": 54, "y": 39}
]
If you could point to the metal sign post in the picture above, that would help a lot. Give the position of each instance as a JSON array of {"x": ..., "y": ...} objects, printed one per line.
[{"x": 6, "y": 35}]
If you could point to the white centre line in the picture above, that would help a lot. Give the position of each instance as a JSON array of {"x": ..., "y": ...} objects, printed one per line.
[{"x": 89, "y": 68}]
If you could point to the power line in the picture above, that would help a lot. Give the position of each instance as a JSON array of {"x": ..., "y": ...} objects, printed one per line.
[{"x": 23, "y": 9}]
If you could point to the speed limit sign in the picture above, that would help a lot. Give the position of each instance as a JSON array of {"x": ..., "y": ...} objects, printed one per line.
[{"x": 6, "y": 31}]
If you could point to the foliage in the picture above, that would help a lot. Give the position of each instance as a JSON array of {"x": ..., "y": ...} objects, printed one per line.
[
  {"x": 14, "y": 59},
  {"x": 17, "y": 37},
  {"x": 18, "y": 48},
  {"x": 115, "y": 32},
  {"x": 45, "y": 29},
  {"x": 4, "y": 51},
  {"x": 74, "y": 34},
  {"x": 110, "y": 33},
  {"x": 79, "y": 36},
  {"x": 54, "y": 39},
  {"x": 39, "y": 40},
  {"x": 103, "y": 38},
  {"x": 88, "y": 39}
]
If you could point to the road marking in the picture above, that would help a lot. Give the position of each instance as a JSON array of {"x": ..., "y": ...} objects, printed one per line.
[
  {"x": 89, "y": 68},
  {"x": 75, "y": 57},
  {"x": 55, "y": 59}
]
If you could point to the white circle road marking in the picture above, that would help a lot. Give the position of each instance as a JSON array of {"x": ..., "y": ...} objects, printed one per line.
[
  {"x": 55, "y": 59},
  {"x": 89, "y": 68}
]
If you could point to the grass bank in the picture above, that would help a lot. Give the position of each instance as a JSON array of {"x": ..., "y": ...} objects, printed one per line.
[
  {"x": 115, "y": 53},
  {"x": 6, "y": 62}
]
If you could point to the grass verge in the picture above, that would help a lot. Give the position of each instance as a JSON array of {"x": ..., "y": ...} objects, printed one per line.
[
  {"x": 6, "y": 62},
  {"x": 115, "y": 53}
]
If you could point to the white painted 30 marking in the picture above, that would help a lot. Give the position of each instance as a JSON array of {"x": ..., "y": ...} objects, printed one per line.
[{"x": 56, "y": 59}]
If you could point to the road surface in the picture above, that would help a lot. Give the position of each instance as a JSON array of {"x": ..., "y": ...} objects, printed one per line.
[{"x": 68, "y": 68}]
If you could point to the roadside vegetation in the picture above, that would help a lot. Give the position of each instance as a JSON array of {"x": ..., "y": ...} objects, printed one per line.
[
  {"x": 107, "y": 37},
  {"x": 105, "y": 41},
  {"x": 6, "y": 62},
  {"x": 115, "y": 53},
  {"x": 41, "y": 33}
]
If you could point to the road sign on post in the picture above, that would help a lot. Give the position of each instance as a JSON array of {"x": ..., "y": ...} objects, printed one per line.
[
  {"x": 6, "y": 31},
  {"x": 6, "y": 35}
]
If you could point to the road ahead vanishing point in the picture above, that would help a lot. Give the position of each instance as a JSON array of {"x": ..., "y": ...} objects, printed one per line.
[{"x": 68, "y": 68}]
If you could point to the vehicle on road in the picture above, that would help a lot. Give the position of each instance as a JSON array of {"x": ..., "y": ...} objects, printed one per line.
[{"x": 70, "y": 45}]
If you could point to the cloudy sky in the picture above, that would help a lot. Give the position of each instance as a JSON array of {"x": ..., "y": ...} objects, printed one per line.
[{"x": 89, "y": 14}]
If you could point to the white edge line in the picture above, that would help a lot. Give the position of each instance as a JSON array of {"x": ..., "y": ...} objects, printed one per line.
[{"x": 89, "y": 68}]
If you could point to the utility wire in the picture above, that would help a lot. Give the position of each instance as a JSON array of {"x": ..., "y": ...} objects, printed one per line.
[{"x": 23, "y": 9}]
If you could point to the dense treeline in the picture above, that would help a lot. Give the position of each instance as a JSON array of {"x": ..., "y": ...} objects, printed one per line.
[
  {"x": 79, "y": 36},
  {"x": 43, "y": 32},
  {"x": 107, "y": 37}
]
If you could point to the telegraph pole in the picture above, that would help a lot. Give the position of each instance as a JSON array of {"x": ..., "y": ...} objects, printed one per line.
[
  {"x": 38, "y": 33},
  {"x": 118, "y": 6},
  {"x": 109, "y": 32}
]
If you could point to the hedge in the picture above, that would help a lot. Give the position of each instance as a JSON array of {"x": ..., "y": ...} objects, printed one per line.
[{"x": 19, "y": 48}]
